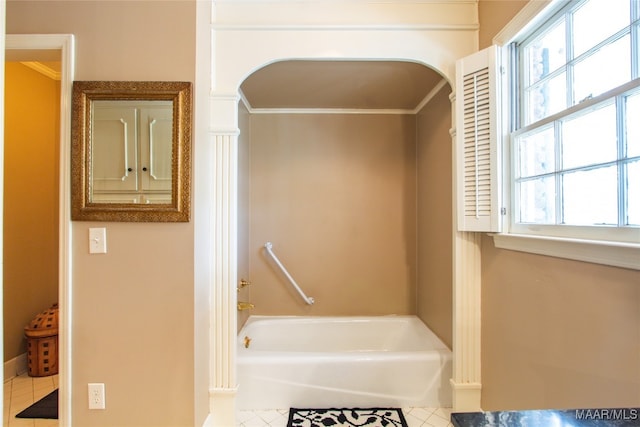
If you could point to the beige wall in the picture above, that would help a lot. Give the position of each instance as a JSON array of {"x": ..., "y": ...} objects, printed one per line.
[
  {"x": 244, "y": 208},
  {"x": 133, "y": 308},
  {"x": 558, "y": 333},
  {"x": 493, "y": 15},
  {"x": 342, "y": 198},
  {"x": 32, "y": 116},
  {"x": 335, "y": 194},
  {"x": 435, "y": 257},
  {"x": 555, "y": 333}
]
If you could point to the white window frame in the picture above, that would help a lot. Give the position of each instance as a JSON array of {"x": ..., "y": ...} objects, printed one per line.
[{"x": 516, "y": 237}]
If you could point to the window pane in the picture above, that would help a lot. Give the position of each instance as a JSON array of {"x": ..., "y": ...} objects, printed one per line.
[
  {"x": 546, "y": 98},
  {"x": 547, "y": 53},
  {"x": 536, "y": 152},
  {"x": 537, "y": 201},
  {"x": 633, "y": 125},
  {"x": 591, "y": 197},
  {"x": 596, "y": 20},
  {"x": 590, "y": 138},
  {"x": 606, "y": 69},
  {"x": 633, "y": 193}
]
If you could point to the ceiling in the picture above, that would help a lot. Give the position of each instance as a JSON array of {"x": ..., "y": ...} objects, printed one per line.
[
  {"x": 42, "y": 55},
  {"x": 297, "y": 84},
  {"x": 45, "y": 61}
]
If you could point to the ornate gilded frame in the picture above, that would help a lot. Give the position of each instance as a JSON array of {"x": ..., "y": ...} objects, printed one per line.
[{"x": 82, "y": 209}]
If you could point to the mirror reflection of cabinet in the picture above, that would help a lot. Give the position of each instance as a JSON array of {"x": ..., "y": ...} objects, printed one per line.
[
  {"x": 131, "y": 151},
  {"x": 142, "y": 125}
]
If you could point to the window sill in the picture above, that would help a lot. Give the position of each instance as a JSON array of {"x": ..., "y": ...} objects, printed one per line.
[{"x": 625, "y": 255}]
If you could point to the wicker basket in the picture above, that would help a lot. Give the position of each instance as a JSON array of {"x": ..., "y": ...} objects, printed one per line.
[{"x": 42, "y": 343}]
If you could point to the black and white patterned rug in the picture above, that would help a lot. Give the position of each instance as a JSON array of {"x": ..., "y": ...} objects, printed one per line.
[{"x": 370, "y": 417}]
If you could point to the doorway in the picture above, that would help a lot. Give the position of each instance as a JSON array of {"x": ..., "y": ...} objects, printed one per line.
[
  {"x": 30, "y": 256},
  {"x": 39, "y": 48}
]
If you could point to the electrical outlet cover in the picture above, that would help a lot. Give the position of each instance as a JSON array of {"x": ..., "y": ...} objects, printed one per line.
[{"x": 96, "y": 396}]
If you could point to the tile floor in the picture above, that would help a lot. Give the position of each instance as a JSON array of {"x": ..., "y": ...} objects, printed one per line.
[
  {"x": 416, "y": 417},
  {"x": 20, "y": 392},
  {"x": 23, "y": 390}
]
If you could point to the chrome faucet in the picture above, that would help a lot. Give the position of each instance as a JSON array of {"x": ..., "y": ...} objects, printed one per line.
[{"x": 245, "y": 306}]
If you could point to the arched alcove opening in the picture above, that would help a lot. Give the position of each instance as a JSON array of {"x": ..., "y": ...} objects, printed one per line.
[
  {"x": 340, "y": 165},
  {"x": 247, "y": 39},
  {"x": 323, "y": 84},
  {"x": 328, "y": 171}
]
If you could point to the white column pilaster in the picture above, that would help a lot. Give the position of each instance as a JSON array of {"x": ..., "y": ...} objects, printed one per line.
[
  {"x": 466, "y": 382},
  {"x": 224, "y": 164}
]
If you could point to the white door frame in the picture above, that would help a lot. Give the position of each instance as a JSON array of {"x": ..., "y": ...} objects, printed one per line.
[{"x": 65, "y": 44}]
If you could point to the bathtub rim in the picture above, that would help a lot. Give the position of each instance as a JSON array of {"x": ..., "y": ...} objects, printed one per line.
[{"x": 442, "y": 350}]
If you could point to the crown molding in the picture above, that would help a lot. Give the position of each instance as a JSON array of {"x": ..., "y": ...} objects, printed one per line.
[
  {"x": 42, "y": 69},
  {"x": 400, "y": 111}
]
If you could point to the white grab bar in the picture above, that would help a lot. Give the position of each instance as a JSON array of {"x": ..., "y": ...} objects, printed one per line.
[{"x": 268, "y": 246}]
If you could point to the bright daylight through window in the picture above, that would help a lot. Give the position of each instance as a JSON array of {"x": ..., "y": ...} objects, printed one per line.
[{"x": 576, "y": 144}]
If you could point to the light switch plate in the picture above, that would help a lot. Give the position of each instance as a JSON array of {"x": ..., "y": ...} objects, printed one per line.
[{"x": 97, "y": 240}]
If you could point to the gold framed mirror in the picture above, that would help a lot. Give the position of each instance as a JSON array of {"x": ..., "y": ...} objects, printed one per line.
[{"x": 131, "y": 151}]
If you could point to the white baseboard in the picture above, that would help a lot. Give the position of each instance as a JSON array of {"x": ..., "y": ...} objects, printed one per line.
[
  {"x": 222, "y": 407},
  {"x": 466, "y": 396},
  {"x": 15, "y": 366}
]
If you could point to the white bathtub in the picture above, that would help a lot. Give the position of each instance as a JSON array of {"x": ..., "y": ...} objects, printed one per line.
[{"x": 341, "y": 362}]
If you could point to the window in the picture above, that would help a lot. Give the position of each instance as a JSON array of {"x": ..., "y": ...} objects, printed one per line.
[{"x": 575, "y": 146}]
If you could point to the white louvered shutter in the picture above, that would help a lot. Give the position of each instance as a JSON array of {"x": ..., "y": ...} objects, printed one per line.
[{"x": 477, "y": 142}]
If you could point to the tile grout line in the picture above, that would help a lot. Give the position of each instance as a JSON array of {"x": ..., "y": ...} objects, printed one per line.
[{"x": 20, "y": 392}]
